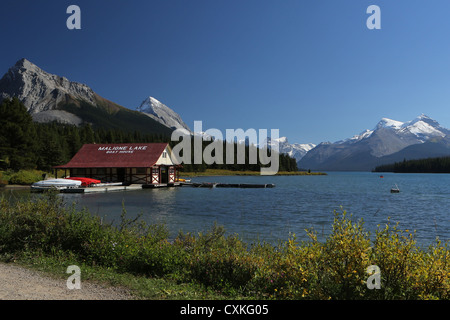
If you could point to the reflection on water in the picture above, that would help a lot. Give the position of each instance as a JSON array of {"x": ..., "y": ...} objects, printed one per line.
[
  {"x": 155, "y": 205},
  {"x": 295, "y": 204}
]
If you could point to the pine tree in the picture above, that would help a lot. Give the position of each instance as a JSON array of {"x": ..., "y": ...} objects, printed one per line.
[{"x": 17, "y": 135}]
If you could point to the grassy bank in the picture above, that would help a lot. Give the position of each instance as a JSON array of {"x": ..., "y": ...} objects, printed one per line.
[
  {"x": 222, "y": 172},
  {"x": 211, "y": 265}
]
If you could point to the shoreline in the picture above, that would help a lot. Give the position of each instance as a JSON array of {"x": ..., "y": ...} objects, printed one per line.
[{"x": 14, "y": 186}]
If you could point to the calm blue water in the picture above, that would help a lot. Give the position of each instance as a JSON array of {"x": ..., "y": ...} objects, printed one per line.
[{"x": 295, "y": 204}]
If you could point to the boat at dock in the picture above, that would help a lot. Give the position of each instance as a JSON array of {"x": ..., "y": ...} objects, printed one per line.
[
  {"x": 85, "y": 182},
  {"x": 55, "y": 184},
  {"x": 104, "y": 187},
  {"x": 77, "y": 185}
]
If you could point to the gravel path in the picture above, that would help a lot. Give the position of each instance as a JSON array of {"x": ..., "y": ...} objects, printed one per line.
[{"x": 18, "y": 283}]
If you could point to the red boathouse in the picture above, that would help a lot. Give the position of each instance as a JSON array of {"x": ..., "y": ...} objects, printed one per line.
[{"x": 131, "y": 163}]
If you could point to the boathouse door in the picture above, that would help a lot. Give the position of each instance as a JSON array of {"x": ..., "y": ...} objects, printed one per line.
[
  {"x": 121, "y": 174},
  {"x": 164, "y": 174}
]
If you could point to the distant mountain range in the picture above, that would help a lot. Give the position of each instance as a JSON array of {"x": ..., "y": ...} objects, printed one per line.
[
  {"x": 50, "y": 97},
  {"x": 390, "y": 141}
]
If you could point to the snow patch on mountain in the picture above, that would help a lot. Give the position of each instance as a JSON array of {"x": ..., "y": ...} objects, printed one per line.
[{"x": 358, "y": 137}]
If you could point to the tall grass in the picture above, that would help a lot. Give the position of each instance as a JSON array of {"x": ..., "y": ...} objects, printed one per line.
[{"x": 333, "y": 269}]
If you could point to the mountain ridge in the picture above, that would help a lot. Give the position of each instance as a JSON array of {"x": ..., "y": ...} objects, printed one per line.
[
  {"x": 39, "y": 90},
  {"x": 49, "y": 97}
]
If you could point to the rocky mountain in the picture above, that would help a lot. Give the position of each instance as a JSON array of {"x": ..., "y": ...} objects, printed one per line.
[
  {"x": 40, "y": 91},
  {"x": 388, "y": 142},
  {"x": 295, "y": 150},
  {"x": 162, "y": 113},
  {"x": 50, "y": 97}
]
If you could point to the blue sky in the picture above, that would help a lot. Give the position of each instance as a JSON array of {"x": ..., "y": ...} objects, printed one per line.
[{"x": 310, "y": 68}]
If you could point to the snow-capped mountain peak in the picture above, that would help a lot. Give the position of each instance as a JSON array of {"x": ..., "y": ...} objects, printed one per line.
[
  {"x": 389, "y": 123},
  {"x": 295, "y": 150},
  {"x": 424, "y": 128},
  {"x": 424, "y": 117},
  {"x": 162, "y": 113}
]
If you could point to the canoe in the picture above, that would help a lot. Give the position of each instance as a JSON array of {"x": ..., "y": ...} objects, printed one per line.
[
  {"x": 85, "y": 182},
  {"x": 57, "y": 184}
]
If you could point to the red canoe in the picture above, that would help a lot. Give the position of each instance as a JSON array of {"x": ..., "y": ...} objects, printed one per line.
[{"x": 85, "y": 182}]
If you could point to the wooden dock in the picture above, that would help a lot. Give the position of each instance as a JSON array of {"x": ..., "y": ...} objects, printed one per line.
[
  {"x": 118, "y": 187},
  {"x": 103, "y": 188},
  {"x": 161, "y": 185},
  {"x": 227, "y": 185}
]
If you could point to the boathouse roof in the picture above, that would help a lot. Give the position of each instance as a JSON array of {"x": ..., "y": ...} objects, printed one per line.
[{"x": 119, "y": 155}]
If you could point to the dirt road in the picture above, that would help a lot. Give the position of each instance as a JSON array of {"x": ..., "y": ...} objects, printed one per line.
[{"x": 18, "y": 283}]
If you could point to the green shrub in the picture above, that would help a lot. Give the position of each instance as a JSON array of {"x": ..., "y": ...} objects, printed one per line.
[
  {"x": 2, "y": 181},
  {"x": 25, "y": 177},
  {"x": 217, "y": 260},
  {"x": 344, "y": 259},
  {"x": 397, "y": 255}
]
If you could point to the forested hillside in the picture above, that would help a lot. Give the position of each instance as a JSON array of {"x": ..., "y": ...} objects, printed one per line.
[{"x": 430, "y": 165}]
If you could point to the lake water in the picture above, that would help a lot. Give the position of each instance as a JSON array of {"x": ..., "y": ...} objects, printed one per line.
[{"x": 295, "y": 204}]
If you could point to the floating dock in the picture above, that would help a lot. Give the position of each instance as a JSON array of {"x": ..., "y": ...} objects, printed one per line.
[
  {"x": 227, "y": 185},
  {"x": 109, "y": 188},
  {"x": 118, "y": 187},
  {"x": 161, "y": 185}
]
